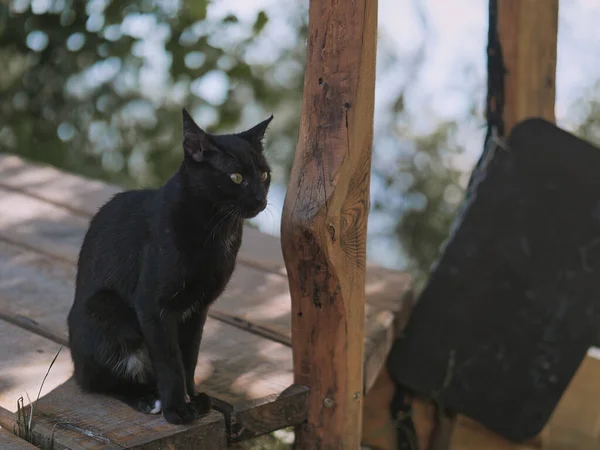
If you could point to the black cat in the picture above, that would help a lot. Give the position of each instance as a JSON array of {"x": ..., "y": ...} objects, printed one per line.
[{"x": 153, "y": 261}]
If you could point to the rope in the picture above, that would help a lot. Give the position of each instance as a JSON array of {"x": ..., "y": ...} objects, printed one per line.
[
  {"x": 496, "y": 70},
  {"x": 494, "y": 109}
]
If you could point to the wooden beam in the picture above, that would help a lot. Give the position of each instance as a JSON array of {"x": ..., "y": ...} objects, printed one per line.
[
  {"x": 527, "y": 31},
  {"x": 324, "y": 220}
]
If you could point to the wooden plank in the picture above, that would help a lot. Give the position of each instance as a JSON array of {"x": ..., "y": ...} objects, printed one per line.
[
  {"x": 325, "y": 219},
  {"x": 109, "y": 422},
  {"x": 223, "y": 371},
  {"x": 42, "y": 436},
  {"x": 43, "y": 297},
  {"x": 528, "y": 33},
  {"x": 255, "y": 417},
  {"x": 61, "y": 189},
  {"x": 24, "y": 360},
  {"x": 265, "y": 309},
  {"x": 9, "y": 441},
  {"x": 36, "y": 224},
  {"x": 26, "y": 277},
  {"x": 234, "y": 366},
  {"x": 65, "y": 419},
  {"x": 57, "y": 232},
  {"x": 84, "y": 197}
]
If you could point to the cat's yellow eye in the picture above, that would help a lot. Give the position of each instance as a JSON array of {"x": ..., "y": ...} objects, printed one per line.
[
  {"x": 236, "y": 178},
  {"x": 264, "y": 176}
]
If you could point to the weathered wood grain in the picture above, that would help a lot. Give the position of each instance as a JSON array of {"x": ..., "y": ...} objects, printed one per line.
[
  {"x": 325, "y": 219},
  {"x": 67, "y": 419},
  {"x": 84, "y": 197},
  {"x": 51, "y": 220},
  {"x": 41, "y": 185},
  {"x": 24, "y": 360},
  {"x": 9, "y": 441},
  {"x": 54, "y": 438},
  {"x": 110, "y": 422},
  {"x": 255, "y": 300},
  {"x": 528, "y": 34},
  {"x": 235, "y": 364},
  {"x": 252, "y": 418}
]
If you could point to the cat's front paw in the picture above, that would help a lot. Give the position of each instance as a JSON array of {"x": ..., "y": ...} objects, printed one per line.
[
  {"x": 198, "y": 406},
  {"x": 149, "y": 404}
]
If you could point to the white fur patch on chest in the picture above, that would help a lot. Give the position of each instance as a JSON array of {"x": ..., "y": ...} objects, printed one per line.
[{"x": 135, "y": 365}]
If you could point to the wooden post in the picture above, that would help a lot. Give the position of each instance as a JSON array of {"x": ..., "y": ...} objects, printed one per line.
[
  {"x": 528, "y": 32},
  {"x": 324, "y": 220}
]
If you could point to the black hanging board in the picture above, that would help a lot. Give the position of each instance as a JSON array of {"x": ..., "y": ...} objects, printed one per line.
[{"x": 513, "y": 303}]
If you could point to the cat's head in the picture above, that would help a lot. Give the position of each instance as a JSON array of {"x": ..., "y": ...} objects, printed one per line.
[{"x": 229, "y": 169}]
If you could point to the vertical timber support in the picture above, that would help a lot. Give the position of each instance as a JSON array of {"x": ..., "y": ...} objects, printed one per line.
[
  {"x": 527, "y": 33},
  {"x": 324, "y": 225},
  {"x": 527, "y": 30}
]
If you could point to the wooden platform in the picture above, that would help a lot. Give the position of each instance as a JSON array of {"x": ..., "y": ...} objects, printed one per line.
[
  {"x": 9, "y": 441},
  {"x": 245, "y": 361}
]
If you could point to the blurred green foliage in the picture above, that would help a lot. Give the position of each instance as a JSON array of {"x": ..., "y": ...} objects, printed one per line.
[{"x": 96, "y": 87}]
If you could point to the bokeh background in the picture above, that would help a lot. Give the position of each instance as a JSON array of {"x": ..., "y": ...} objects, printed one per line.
[{"x": 96, "y": 87}]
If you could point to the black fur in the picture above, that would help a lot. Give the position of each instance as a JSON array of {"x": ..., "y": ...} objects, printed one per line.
[{"x": 151, "y": 264}]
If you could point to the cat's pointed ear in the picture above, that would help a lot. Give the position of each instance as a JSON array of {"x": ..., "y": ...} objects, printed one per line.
[
  {"x": 195, "y": 139},
  {"x": 256, "y": 134}
]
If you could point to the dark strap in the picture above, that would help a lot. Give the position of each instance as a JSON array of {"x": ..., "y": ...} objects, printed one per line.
[
  {"x": 495, "y": 93},
  {"x": 494, "y": 108}
]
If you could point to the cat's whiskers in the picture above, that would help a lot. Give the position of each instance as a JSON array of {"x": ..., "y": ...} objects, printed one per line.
[
  {"x": 273, "y": 205},
  {"x": 268, "y": 211}
]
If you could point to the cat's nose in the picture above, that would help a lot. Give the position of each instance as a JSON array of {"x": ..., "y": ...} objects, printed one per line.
[
  {"x": 256, "y": 206},
  {"x": 262, "y": 202}
]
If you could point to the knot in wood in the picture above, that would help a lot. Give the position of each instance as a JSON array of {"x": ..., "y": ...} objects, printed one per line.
[{"x": 331, "y": 229}]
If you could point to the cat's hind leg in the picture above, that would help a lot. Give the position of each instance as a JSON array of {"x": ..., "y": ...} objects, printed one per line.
[{"x": 109, "y": 354}]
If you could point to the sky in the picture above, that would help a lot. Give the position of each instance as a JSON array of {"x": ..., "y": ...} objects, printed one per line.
[
  {"x": 454, "y": 67},
  {"x": 455, "y": 43}
]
